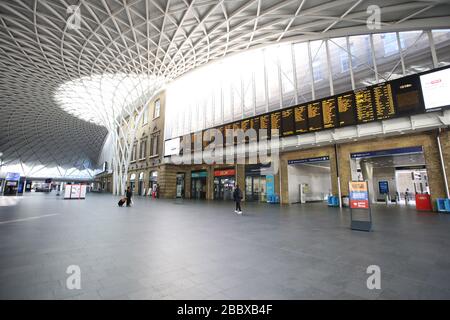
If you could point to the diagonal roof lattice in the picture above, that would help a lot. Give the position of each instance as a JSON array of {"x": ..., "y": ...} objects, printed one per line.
[{"x": 41, "y": 51}]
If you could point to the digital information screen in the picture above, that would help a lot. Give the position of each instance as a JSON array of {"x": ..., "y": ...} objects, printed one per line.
[
  {"x": 245, "y": 124},
  {"x": 254, "y": 124},
  {"x": 171, "y": 147},
  {"x": 287, "y": 122},
  {"x": 329, "y": 113},
  {"x": 436, "y": 89},
  {"x": 264, "y": 123},
  {"x": 364, "y": 106},
  {"x": 275, "y": 121},
  {"x": 384, "y": 103},
  {"x": 225, "y": 138},
  {"x": 407, "y": 96},
  {"x": 346, "y": 109},
  {"x": 315, "y": 116},
  {"x": 301, "y": 119}
]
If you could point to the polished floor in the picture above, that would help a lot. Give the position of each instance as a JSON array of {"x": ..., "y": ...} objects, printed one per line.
[{"x": 167, "y": 249}]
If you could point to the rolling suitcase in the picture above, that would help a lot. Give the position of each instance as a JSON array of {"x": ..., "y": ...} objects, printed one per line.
[{"x": 121, "y": 202}]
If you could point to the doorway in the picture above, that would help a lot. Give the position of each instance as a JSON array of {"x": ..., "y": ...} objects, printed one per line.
[
  {"x": 180, "y": 185},
  {"x": 394, "y": 176},
  {"x": 255, "y": 188}
]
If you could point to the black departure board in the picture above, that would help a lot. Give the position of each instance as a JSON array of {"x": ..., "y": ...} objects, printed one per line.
[
  {"x": 384, "y": 102},
  {"x": 315, "y": 116},
  {"x": 275, "y": 122},
  {"x": 227, "y": 128},
  {"x": 301, "y": 119},
  {"x": 346, "y": 109},
  {"x": 364, "y": 106},
  {"x": 254, "y": 124},
  {"x": 287, "y": 122},
  {"x": 264, "y": 122},
  {"x": 245, "y": 124},
  {"x": 329, "y": 113},
  {"x": 395, "y": 98},
  {"x": 407, "y": 95}
]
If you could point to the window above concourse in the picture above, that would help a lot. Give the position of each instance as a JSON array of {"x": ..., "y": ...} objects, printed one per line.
[{"x": 278, "y": 76}]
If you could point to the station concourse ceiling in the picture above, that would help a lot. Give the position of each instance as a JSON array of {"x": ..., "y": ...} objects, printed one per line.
[{"x": 46, "y": 44}]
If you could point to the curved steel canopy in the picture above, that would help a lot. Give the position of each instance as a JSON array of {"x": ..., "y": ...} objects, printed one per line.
[{"x": 41, "y": 52}]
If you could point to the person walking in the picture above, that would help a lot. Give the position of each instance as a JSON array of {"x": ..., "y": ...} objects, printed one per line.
[
  {"x": 237, "y": 196},
  {"x": 129, "y": 195}
]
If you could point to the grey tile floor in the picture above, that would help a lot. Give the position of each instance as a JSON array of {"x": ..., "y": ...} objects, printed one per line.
[{"x": 167, "y": 249}]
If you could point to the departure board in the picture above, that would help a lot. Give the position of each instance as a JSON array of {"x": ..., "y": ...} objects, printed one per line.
[
  {"x": 364, "y": 106},
  {"x": 245, "y": 124},
  {"x": 264, "y": 124},
  {"x": 346, "y": 109},
  {"x": 315, "y": 116},
  {"x": 226, "y": 139},
  {"x": 275, "y": 123},
  {"x": 287, "y": 122},
  {"x": 329, "y": 113},
  {"x": 396, "y": 98},
  {"x": 301, "y": 119},
  {"x": 384, "y": 103},
  {"x": 407, "y": 95}
]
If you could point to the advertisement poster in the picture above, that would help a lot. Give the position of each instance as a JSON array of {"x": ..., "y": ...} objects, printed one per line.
[
  {"x": 270, "y": 185},
  {"x": 83, "y": 189},
  {"x": 75, "y": 191},
  {"x": 67, "y": 191},
  {"x": 383, "y": 187},
  {"x": 435, "y": 89},
  {"x": 359, "y": 195}
]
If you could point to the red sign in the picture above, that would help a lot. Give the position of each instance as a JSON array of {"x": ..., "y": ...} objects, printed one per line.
[
  {"x": 224, "y": 173},
  {"x": 359, "y": 195},
  {"x": 423, "y": 202}
]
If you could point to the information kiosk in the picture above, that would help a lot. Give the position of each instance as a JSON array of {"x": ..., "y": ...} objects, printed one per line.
[{"x": 359, "y": 200}]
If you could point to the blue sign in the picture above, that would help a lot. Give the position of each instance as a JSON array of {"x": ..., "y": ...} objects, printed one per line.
[
  {"x": 270, "y": 185},
  {"x": 383, "y": 187},
  {"x": 12, "y": 176},
  {"x": 199, "y": 174},
  {"x": 309, "y": 160},
  {"x": 388, "y": 152}
]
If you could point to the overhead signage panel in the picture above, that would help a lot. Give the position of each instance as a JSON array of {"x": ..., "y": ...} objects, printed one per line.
[
  {"x": 309, "y": 160},
  {"x": 387, "y": 152}
]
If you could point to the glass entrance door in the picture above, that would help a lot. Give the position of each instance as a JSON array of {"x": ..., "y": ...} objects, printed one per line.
[
  {"x": 255, "y": 188},
  {"x": 198, "y": 188},
  {"x": 223, "y": 188}
]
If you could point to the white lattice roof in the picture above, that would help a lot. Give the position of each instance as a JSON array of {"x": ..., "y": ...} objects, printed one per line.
[{"x": 40, "y": 53}]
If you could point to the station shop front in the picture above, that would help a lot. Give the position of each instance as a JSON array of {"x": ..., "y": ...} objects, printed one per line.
[
  {"x": 224, "y": 183},
  {"x": 397, "y": 168},
  {"x": 199, "y": 184}
]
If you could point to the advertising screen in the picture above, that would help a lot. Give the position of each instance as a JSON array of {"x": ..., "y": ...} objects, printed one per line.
[
  {"x": 359, "y": 195},
  {"x": 436, "y": 89},
  {"x": 172, "y": 147}
]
